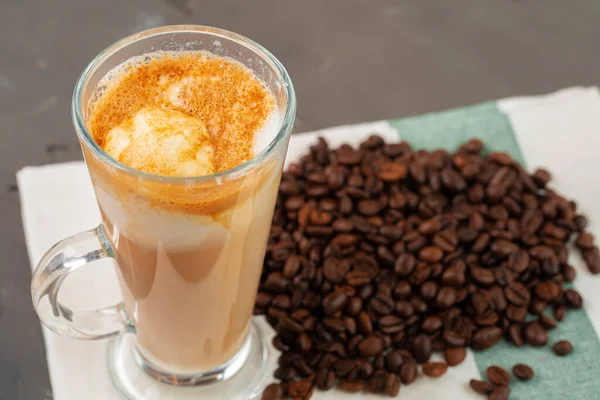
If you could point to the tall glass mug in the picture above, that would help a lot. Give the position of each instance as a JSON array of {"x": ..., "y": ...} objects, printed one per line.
[{"x": 189, "y": 250}]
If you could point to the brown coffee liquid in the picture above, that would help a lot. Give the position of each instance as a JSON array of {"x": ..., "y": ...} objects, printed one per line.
[{"x": 189, "y": 254}]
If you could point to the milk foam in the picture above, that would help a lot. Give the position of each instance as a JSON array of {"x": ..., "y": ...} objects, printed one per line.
[{"x": 269, "y": 131}]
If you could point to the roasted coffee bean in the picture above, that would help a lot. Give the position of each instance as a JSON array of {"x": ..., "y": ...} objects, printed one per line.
[
  {"x": 535, "y": 334},
  {"x": 405, "y": 264},
  {"x": 455, "y": 355},
  {"x": 481, "y": 387},
  {"x": 325, "y": 379},
  {"x": 548, "y": 290},
  {"x": 497, "y": 375},
  {"x": 562, "y": 348},
  {"x": 585, "y": 241},
  {"x": 504, "y": 248},
  {"x": 431, "y": 254},
  {"x": 353, "y": 306},
  {"x": 522, "y": 372},
  {"x": 392, "y": 172},
  {"x": 483, "y": 276},
  {"x": 394, "y": 361},
  {"x": 446, "y": 297},
  {"x": 516, "y": 314},
  {"x": 573, "y": 298},
  {"x": 486, "y": 337},
  {"x": 515, "y": 334},
  {"x": 434, "y": 369},
  {"x": 334, "y": 301},
  {"x": 547, "y": 322},
  {"x": 560, "y": 312},
  {"x": 272, "y": 392},
  {"x": 421, "y": 348},
  {"x": 351, "y": 386},
  {"x": 408, "y": 372},
  {"x": 285, "y": 373},
  {"x": 430, "y": 226},
  {"x": 569, "y": 273},
  {"x": 335, "y": 270},
  {"x": 517, "y": 294},
  {"x": 300, "y": 389},
  {"x": 282, "y": 301},
  {"x": 392, "y": 385},
  {"x": 371, "y": 346},
  {"x": 500, "y": 393}
]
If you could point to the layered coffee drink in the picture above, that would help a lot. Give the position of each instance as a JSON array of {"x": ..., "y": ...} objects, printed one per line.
[{"x": 189, "y": 250}]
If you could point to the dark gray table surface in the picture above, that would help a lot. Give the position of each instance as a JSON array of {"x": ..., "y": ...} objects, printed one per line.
[{"x": 351, "y": 61}]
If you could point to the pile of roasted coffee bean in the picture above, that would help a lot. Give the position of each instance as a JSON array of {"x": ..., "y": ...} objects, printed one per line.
[{"x": 382, "y": 255}]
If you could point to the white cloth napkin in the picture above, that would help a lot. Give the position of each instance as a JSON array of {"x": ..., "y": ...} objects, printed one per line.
[{"x": 58, "y": 201}]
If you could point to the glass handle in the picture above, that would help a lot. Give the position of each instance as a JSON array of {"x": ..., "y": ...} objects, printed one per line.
[{"x": 65, "y": 257}]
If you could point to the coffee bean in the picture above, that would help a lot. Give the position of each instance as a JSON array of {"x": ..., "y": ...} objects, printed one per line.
[
  {"x": 483, "y": 276},
  {"x": 453, "y": 180},
  {"x": 371, "y": 346},
  {"x": 517, "y": 294},
  {"x": 408, "y": 372},
  {"x": 351, "y": 386},
  {"x": 335, "y": 270},
  {"x": 585, "y": 241},
  {"x": 285, "y": 373},
  {"x": 434, "y": 369},
  {"x": 405, "y": 264},
  {"x": 548, "y": 290},
  {"x": 504, "y": 248},
  {"x": 522, "y": 372},
  {"x": 541, "y": 177},
  {"x": 421, "y": 348},
  {"x": 516, "y": 314},
  {"x": 430, "y": 226},
  {"x": 481, "y": 387},
  {"x": 304, "y": 343},
  {"x": 573, "y": 298},
  {"x": 547, "y": 322},
  {"x": 431, "y": 254},
  {"x": 364, "y": 323},
  {"x": 560, "y": 312},
  {"x": 325, "y": 379},
  {"x": 500, "y": 393},
  {"x": 392, "y": 385},
  {"x": 334, "y": 301},
  {"x": 272, "y": 392},
  {"x": 541, "y": 252},
  {"x": 391, "y": 324},
  {"x": 497, "y": 375},
  {"x": 300, "y": 389},
  {"x": 535, "y": 334},
  {"x": 392, "y": 172},
  {"x": 446, "y": 240},
  {"x": 455, "y": 355},
  {"x": 394, "y": 361},
  {"x": 353, "y": 306},
  {"x": 454, "y": 338},
  {"x": 282, "y": 301},
  {"x": 562, "y": 347},
  {"x": 486, "y": 337},
  {"x": 446, "y": 297}
]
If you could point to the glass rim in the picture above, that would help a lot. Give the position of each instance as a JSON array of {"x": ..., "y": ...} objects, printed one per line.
[{"x": 85, "y": 136}]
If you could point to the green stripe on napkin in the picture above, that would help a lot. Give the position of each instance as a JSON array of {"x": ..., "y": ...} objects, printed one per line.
[{"x": 576, "y": 376}]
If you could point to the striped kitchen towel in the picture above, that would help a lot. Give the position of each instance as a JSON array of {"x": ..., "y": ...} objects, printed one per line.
[{"x": 560, "y": 131}]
